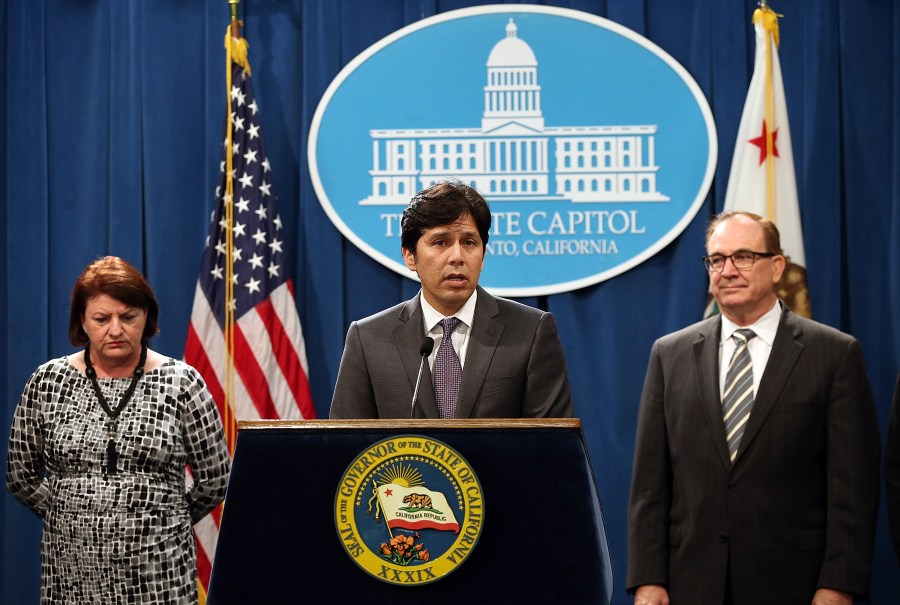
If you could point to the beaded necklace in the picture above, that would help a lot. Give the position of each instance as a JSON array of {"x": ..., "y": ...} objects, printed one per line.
[{"x": 113, "y": 413}]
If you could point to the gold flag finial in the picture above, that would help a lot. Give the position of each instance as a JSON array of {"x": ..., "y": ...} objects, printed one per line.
[
  {"x": 769, "y": 20},
  {"x": 234, "y": 42},
  {"x": 235, "y": 22}
]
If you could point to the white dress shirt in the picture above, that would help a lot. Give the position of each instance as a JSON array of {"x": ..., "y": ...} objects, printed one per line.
[
  {"x": 460, "y": 340},
  {"x": 760, "y": 346}
]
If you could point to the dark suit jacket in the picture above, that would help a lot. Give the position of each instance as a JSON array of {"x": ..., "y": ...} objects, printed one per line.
[
  {"x": 515, "y": 365},
  {"x": 795, "y": 512},
  {"x": 892, "y": 469}
]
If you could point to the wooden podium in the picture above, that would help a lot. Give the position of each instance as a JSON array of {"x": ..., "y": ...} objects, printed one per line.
[{"x": 542, "y": 538}]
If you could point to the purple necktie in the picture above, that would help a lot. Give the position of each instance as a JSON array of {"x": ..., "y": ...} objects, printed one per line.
[{"x": 447, "y": 371}]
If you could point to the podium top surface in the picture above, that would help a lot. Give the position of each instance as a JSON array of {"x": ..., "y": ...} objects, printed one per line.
[{"x": 414, "y": 423}]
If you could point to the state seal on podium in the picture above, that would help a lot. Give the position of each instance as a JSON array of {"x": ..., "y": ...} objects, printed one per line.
[{"x": 409, "y": 510}]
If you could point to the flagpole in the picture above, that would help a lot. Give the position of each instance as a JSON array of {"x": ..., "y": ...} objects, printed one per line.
[
  {"x": 770, "y": 25},
  {"x": 232, "y": 38},
  {"x": 235, "y": 22},
  {"x": 770, "y": 120},
  {"x": 383, "y": 514}
]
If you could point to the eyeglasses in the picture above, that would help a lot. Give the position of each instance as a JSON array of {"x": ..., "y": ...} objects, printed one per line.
[{"x": 742, "y": 260}]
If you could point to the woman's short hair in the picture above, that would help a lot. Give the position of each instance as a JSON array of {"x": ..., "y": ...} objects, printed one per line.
[{"x": 117, "y": 279}]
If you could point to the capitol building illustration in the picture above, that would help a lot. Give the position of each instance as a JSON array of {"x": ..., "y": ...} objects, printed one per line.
[{"x": 509, "y": 157}]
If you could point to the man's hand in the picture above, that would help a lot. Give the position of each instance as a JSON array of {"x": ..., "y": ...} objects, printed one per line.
[
  {"x": 652, "y": 594},
  {"x": 826, "y": 596}
]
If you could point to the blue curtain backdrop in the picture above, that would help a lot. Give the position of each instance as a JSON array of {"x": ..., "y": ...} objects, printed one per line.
[{"x": 112, "y": 123}]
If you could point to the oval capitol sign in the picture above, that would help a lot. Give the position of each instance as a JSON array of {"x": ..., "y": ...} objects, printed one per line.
[{"x": 593, "y": 146}]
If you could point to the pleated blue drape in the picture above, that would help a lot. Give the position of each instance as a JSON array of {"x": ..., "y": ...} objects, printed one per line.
[{"x": 112, "y": 114}]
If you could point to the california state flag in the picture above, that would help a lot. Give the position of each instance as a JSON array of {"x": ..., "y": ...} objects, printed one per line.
[
  {"x": 416, "y": 508},
  {"x": 762, "y": 176}
]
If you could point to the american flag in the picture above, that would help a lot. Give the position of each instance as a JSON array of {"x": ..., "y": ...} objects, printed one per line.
[{"x": 270, "y": 372}]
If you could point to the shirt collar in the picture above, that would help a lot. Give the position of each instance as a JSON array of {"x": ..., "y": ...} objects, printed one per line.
[
  {"x": 764, "y": 327},
  {"x": 466, "y": 314}
]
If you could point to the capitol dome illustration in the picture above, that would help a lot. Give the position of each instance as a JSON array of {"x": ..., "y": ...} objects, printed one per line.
[
  {"x": 512, "y": 93},
  {"x": 514, "y": 156}
]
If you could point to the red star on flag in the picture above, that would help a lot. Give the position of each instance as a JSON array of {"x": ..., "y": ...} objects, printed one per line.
[
  {"x": 388, "y": 492},
  {"x": 760, "y": 142}
]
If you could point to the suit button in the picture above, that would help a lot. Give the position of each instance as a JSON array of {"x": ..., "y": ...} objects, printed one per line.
[
  {"x": 732, "y": 487},
  {"x": 723, "y": 538}
]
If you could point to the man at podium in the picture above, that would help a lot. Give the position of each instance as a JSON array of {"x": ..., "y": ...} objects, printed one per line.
[{"x": 453, "y": 350}]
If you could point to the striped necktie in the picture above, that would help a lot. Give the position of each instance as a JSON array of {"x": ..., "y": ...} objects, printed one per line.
[
  {"x": 737, "y": 398},
  {"x": 447, "y": 371}
]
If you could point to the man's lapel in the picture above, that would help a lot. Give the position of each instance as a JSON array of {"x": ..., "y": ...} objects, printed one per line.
[
  {"x": 706, "y": 368},
  {"x": 408, "y": 337},
  {"x": 786, "y": 350},
  {"x": 483, "y": 338}
]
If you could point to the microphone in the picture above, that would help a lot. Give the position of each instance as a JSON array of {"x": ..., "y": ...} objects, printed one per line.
[{"x": 424, "y": 350}]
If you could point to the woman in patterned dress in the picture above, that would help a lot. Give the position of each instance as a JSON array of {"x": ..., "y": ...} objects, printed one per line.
[{"x": 99, "y": 444}]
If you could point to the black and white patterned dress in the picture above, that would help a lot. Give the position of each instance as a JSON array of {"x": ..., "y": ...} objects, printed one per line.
[{"x": 125, "y": 537}]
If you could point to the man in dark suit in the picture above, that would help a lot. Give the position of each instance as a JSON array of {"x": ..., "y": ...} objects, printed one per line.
[
  {"x": 499, "y": 359},
  {"x": 892, "y": 469},
  {"x": 756, "y": 461}
]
